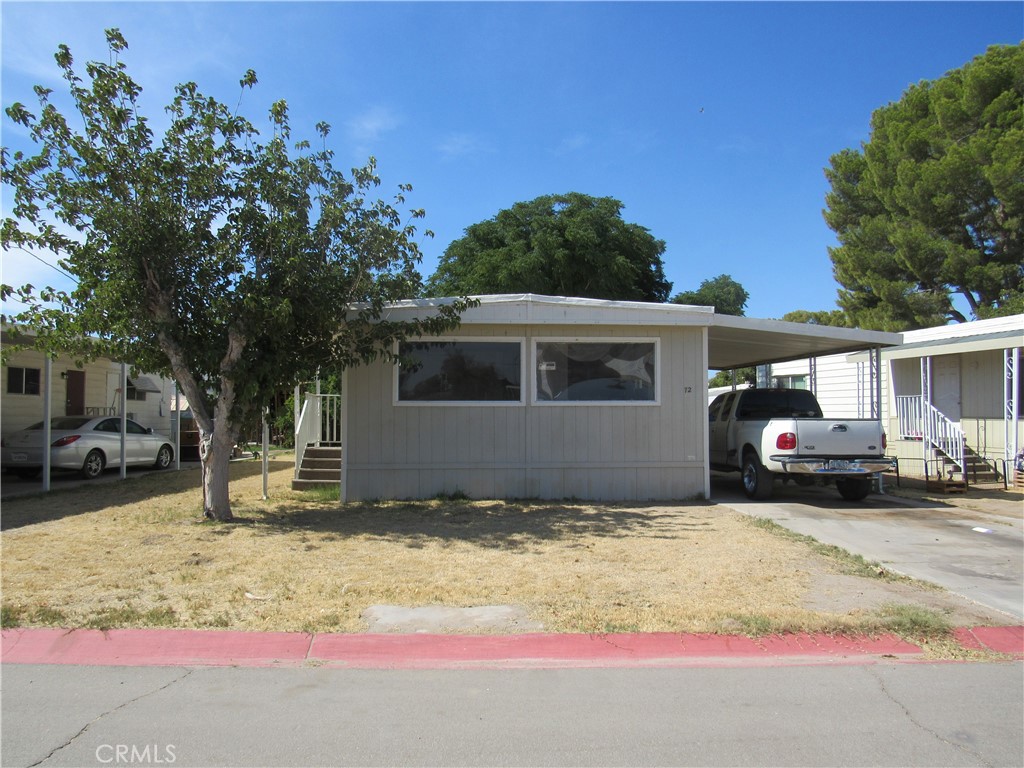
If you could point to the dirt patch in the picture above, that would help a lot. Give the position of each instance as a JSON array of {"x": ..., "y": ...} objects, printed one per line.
[
  {"x": 845, "y": 595},
  {"x": 138, "y": 553}
]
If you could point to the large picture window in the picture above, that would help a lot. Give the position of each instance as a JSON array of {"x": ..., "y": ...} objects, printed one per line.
[
  {"x": 460, "y": 372},
  {"x": 596, "y": 371}
]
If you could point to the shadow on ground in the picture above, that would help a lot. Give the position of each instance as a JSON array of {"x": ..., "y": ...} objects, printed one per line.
[
  {"x": 499, "y": 524},
  {"x": 69, "y": 496}
]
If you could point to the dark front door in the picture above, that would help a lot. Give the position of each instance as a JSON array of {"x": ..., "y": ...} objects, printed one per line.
[{"x": 75, "y": 403}]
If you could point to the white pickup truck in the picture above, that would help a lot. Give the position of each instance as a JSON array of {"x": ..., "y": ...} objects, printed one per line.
[{"x": 768, "y": 434}]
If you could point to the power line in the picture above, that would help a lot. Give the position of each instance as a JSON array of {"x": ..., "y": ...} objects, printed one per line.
[{"x": 55, "y": 268}]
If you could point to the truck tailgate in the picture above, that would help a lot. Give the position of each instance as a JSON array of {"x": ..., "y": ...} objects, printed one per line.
[{"x": 839, "y": 437}]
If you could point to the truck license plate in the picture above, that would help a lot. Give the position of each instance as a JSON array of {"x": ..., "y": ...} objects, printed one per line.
[
  {"x": 839, "y": 464},
  {"x": 19, "y": 457}
]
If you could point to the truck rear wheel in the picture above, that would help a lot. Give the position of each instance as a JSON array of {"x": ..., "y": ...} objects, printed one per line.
[
  {"x": 853, "y": 488},
  {"x": 757, "y": 481}
]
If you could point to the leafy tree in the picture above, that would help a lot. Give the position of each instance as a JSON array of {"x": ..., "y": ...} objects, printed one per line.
[
  {"x": 723, "y": 293},
  {"x": 238, "y": 265},
  {"x": 835, "y": 318},
  {"x": 559, "y": 245},
  {"x": 933, "y": 205},
  {"x": 728, "y": 298}
]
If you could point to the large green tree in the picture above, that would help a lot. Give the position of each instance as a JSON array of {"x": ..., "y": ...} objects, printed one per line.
[
  {"x": 560, "y": 245},
  {"x": 932, "y": 206},
  {"x": 723, "y": 293},
  {"x": 235, "y": 263}
]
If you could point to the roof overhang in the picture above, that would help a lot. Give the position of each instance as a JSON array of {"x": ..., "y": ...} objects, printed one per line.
[
  {"x": 984, "y": 342},
  {"x": 733, "y": 342}
]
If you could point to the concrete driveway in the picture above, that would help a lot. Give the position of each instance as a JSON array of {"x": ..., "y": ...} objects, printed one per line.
[{"x": 972, "y": 544}]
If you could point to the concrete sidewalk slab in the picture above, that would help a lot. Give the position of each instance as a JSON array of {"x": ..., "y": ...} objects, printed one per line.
[{"x": 171, "y": 647}]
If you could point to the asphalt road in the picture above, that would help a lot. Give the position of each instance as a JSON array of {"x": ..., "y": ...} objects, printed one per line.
[
  {"x": 899, "y": 714},
  {"x": 971, "y": 553}
]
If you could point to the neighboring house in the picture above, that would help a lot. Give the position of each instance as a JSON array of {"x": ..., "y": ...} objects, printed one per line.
[
  {"x": 950, "y": 396},
  {"x": 78, "y": 390},
  {"x": 548, "y": 397}
]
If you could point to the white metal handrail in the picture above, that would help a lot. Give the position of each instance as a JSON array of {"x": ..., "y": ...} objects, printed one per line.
[
  {"x": 945, "y": 435},
  {"x": 908, "y": 416},
  {"x": 919, "y": 420},
  {"x": 319, "y": 424}
]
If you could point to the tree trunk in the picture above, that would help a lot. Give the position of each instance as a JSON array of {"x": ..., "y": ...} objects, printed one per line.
[{"x": 215, "y": 453}]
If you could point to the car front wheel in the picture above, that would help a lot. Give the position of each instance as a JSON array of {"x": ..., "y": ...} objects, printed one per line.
[
  {"x": 93, "y": 466},
  {"x": 163, "y": 457}
]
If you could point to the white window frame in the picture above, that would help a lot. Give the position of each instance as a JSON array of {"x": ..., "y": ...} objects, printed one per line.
[
  {"x": 523, "y": 383},
  {"x": 655, "y": 340}
]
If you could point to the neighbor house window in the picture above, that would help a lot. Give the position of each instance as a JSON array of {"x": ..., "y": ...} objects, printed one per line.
[
  {"x": 790, "y": 382},
  {"x": 460, "y": 372},
  {"x": 596, "y": 371},
  {"x": 22, "y": 381},
  {"x": 138, "y": 386}
]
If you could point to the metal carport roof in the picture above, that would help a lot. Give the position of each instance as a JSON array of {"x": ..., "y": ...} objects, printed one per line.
[{"x": 735, "y": 342}]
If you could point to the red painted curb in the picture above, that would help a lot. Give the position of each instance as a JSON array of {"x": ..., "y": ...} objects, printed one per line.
[
  {"x": 128, "y": 647},
  {"x": 575, "y": 650},
  {"x": 1009, "y": 640},
  {"x": 153, "y": 647}
]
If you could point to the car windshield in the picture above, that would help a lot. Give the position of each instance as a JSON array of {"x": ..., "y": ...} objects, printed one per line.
[{"x": 64, "y": 422}]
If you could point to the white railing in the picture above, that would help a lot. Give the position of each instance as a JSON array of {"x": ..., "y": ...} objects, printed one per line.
[
  {"x": 908, "y": 414},
  {"x": 923, "y": 421},
  {"x": 319, "y": 424}
]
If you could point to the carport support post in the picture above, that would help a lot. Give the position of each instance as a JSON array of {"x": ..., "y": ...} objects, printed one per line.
[
  {"x": 1011, "y": 408},
  {"x": 177, "y": 427},
  {"x": 124, "y": 419},
  {"x": 875, "y": 372},
  {"x": 266, "y": 447},
  {"x": 47, "y": 412}
]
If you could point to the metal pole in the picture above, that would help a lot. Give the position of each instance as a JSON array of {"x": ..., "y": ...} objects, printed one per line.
[
  {"x": 177, "y": 427},
  {"x": 266, "y": 447},
  {"x": 124, "y": 419},
  {"x": 47, "y": 415},
  {"x": 876, "y": 376},
  {"x": 1011, "y": 406}
]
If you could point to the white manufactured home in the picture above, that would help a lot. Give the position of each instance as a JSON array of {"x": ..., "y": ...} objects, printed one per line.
[
  {"x": 950, "y": 400},
  {"x": 551, "y": 397}
]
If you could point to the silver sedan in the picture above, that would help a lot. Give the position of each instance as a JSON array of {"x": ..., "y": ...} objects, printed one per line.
[{"x": 87, "y": 444}]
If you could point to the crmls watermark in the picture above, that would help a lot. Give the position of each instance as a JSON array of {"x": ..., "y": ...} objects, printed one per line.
[{"x": 132, "y": 754}]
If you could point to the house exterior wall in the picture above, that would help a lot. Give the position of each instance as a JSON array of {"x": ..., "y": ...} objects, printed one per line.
[
  {"x": 552, "y": 450},
  {"x": 842, "y": 388},
  {"x": 102, "y": 379}
]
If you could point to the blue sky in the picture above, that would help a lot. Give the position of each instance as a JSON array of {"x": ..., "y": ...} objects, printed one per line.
[{"x": 711, "y": 122}]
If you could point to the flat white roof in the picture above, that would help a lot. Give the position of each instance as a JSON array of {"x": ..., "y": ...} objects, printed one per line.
[{"x": 733, "y": 342}]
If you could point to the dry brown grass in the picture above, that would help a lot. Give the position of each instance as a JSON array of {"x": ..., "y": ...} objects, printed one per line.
[{"x": 138, "y": 554}]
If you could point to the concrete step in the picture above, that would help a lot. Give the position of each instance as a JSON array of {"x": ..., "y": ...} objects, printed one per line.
[
  {"x": 323, "y": 475},
  {"x": 332, "y": 464},
  {"x": 322, "y": 452}
]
